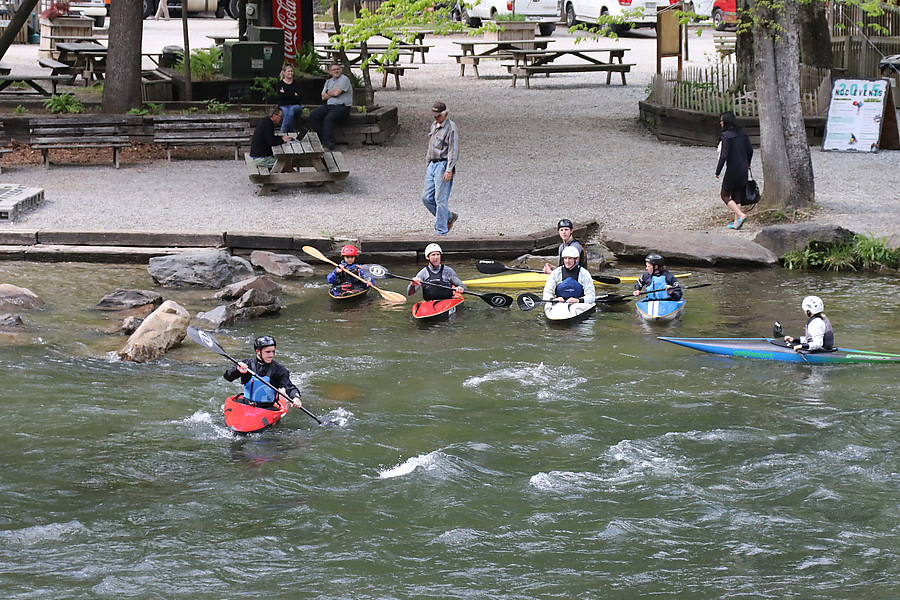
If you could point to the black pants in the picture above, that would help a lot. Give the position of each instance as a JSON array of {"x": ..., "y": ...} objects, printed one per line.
[{"x": 323, "y": 119}]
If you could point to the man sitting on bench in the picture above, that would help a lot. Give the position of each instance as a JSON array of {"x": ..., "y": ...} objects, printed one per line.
[
  {"x": 338, "y": 96},
  {"x": 264, "y": 138}
]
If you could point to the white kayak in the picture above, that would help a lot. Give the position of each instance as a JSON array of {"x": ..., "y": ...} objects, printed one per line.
[{"x": 562, "y": 312}]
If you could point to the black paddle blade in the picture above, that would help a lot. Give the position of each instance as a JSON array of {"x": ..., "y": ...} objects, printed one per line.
[
  {"x": 374, "y": 271},
  {"x": 528, "y": 301},
  {"x": 205, "y": 339},
  {"x": 497, "y": 300},
  {"x": 490, "y": 267},
  {"x": 612, "y": 299},
  {"x": 605, "y": 279}
]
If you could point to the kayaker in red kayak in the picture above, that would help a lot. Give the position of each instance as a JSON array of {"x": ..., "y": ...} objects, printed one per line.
[
  {"x": 658, "y": 277},
  {"x": 435, "y": 272},
  {"x": 266, "y": 367},
  {"x": 565, "y": 228},
  {"x": 819, "y": 334}
]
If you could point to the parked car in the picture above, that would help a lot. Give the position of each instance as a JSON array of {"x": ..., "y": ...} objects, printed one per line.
[
  {"x": 543, "y": 12},
  {"x": 220, "y": 7},
  {"x": 640, "y": 13},
  {"x": 96, "y": 9},
  {"x": 724, "y": 14}
]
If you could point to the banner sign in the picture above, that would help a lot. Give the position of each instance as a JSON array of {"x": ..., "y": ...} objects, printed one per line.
[
  {"x": 856, "y": 116},
  {"x": 286, "y": 15}
]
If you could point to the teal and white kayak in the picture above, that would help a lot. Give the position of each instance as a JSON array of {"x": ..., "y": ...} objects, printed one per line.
[
  {"x": 660, "y": 311},
  {"x": 775, "y": 349}
]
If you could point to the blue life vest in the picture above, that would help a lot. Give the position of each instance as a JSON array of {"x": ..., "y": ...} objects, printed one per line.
[
  {"x": 258, "y": 392},
  {"x": 569, "y": 286},
  {"x": 658, "y": 282}
]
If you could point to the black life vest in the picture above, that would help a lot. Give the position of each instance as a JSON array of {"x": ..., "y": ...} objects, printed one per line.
[{"x": 432, "y": 292}]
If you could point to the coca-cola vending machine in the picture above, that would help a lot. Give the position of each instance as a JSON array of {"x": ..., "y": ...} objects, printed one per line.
[{"x": 296, "y": 18}]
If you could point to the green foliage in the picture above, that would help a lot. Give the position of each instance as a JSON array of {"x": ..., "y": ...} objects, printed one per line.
[
  {"x": 307, "y": 60},
  {"x": 509, "y": 17},
  {"x": 266, "y": 86},
  {"x": 214, "y": 106},
  {"x": 149, "y": 108},
  {"x": 205, "y": 63},
  {"x": 64, "y": 104},
  {"x": 864, "y": 252},
  {"x": 20, "y": 110}
]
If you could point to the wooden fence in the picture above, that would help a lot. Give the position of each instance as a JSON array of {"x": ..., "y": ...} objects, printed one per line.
[
  {"x": 847, "y": 19},
  {"x": 856, "y": 56},
  {"x": 712, "y": 90}
]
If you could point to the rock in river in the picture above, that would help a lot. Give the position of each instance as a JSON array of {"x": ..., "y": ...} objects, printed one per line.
[
  {"x": 162, "y": 330},
  {"x": 208, "y": 269},
  {"x": 13, "y": 297}
]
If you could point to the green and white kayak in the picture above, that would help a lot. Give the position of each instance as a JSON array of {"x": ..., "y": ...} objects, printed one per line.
[
  {"x": 774, "y": 349},
  {"x": 526, "y": 281}
]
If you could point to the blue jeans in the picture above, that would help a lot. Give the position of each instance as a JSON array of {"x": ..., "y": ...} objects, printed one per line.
[
  {"x": 288, "y": 115},
  {"x": 436, "y": 195}
]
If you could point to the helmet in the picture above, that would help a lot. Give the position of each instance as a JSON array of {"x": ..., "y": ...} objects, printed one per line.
[
  {"x": 655, "y": 259},
  {"x": 263, "y": 341},
  {"x": 813, "y": 305},
  {"x": 349, "y": 250},
  {"x": 433, "y": 248},
  {"x": 570, "y": 252},
  {"x": 564, "y": 223}
]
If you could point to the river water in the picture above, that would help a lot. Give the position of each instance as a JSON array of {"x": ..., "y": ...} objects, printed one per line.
[{"x": 486, "y": 456}]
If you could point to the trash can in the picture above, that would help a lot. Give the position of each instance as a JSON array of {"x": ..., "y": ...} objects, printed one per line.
[{"x": 170, "y": 55}]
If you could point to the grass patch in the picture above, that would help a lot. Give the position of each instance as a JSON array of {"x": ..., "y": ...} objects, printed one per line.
[{"x": 863, "y": 253}]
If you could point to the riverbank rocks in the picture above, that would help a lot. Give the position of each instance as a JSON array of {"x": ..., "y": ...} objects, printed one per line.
[
  {"x": 13, "y": 297},
  {"x": 123, "y": 299},
  {"x": 207, "y": 269},
  {"x": 9, "y": 322},
  {"x": 162, "y": 330},
  {"x": 782, "y": 239},
  {"x": 217, "y": 318},
  {"x": 260, "y": 283},
  {"x": 280, "y": 265},
  {"x": 688, "y": 247}
]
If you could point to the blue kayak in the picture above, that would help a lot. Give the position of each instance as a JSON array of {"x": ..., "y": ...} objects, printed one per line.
[
  {"x": 775, "y": 349},
  {"x": 660, "y": 311}
]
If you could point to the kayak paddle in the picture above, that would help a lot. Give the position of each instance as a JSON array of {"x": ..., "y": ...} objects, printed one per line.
[
  {"x": 620, "y": 299},
  {"x": 492, "y": 267},
  {"x": 205, "y": 339},
  {"x": 386, "y": 294},
  {"x": 496, "y": 300}
]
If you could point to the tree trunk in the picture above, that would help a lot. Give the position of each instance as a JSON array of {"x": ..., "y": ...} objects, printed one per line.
[
  {"x": 122, "y": 90},
  {"x": 815, "y": 38},
  {"x": 743, "y": 50},
  {"x": 787, "y": 165}
]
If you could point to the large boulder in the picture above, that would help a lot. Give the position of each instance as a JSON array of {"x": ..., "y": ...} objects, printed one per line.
[
  {"x": 253, "y": 312},
  {"x": 162, "y": 330},
  {"x": 208, "y": 269},
  {"x": 122, "y": 299},
  {"x": 280, "y": 265},
  {"x": 260, "y": 283},
  {"x": 217, "y": 318},
  {"x": 782, "y": 239},
  {"x": 13, "y": 297},
  {"x": 688, "y": 247}
]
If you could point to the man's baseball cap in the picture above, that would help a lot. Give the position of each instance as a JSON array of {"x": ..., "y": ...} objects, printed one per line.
[{"x": 439, "y": 107}]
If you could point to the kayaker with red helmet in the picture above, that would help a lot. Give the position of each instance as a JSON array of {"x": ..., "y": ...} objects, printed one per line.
[
  {"x": 341, "y": 281},
  {"x": 566, "y": 228},
  {"x": 438, "y": 273},
  {"x": 267, "y": 368},
  {"x": 657, "y": 277},
  {"x": 570, "y": 282},
  {"x": 819, "y": 335}
]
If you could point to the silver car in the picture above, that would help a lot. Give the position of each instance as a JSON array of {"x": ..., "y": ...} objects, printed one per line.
[{"x": 96, "y": 9}]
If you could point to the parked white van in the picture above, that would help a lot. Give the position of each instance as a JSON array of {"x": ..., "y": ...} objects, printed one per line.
[
  {"x": 640, "y": 13},
  {"x": 543, "y": 12}
]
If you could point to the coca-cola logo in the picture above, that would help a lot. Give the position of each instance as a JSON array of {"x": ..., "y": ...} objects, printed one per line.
[{"x": 286, "y": 14}]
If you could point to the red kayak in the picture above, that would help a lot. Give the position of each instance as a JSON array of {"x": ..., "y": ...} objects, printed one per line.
[
  {"x": 427, "y": 309},
  {"x": 241, "y": 417}
]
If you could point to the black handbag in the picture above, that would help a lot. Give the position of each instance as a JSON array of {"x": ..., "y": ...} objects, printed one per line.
[{"x": 751, "y": 192}]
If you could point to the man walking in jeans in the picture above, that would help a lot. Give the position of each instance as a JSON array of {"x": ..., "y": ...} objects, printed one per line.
[{"x": 443, "y": 152}]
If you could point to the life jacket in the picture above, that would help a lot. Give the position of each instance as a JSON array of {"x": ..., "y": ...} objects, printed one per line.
[
  {"x": 657, "y": 282},
  {"x": 256, "y": 391},
  {"x": 828, "y": 338},
  {"x": 569, "y": 286},
  {"x": 430, "y": 292},
  {"x": 344, "y": 278}
]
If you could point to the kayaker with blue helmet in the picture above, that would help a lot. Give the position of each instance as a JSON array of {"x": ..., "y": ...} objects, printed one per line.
[
  {"x": 566, "y": 228},
  {"x": 819, "y": 335},
  {"x": 340, "y": 279},
  {"x": 570, "y": 283},
  {"x": 438, "y": 273},
  {"x": 264, "y": 365},
  {"x": 657, "y": 277}
]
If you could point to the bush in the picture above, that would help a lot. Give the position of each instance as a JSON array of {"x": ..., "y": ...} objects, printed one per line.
[
  {"x": 205, "y": 63},
  {"x": 64, "y": 104},
  {"x": 865, "y": 252}
]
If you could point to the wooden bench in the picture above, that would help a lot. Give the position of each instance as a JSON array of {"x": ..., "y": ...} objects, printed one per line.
[
  {"x": 32, "y": 81},
  {"x": 335, "y": 169},
  {"x": 724, "y": 43},
  {"x": 527, "y": 71},
  {"x": 473, "y": 59},
  {"x": 396, "y": 70},
  {"x": 201, "y": 130},
  {"x": 84, "y": 131},
  {"x": 58, "y": 68}
]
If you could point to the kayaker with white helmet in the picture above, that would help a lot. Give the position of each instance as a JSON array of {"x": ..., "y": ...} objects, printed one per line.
[
  {"x": 341, "y": 280},
  {"x": 657, "y": 277},
  {"x": 438, "y": 273},
  {"x": 566, "y": 228},
  {"x": 264, "y": 365},
  {"x": 819, "y": 334},
  {"x": 570, "y": 282}
]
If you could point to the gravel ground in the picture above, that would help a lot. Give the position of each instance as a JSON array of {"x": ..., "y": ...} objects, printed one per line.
[{"x": 570, "y": 146}]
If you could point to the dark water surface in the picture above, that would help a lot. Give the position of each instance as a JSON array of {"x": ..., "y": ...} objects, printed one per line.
[{"x": 488, "y": 456}]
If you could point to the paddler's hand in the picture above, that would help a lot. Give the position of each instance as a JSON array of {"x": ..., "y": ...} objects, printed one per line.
[
  {"x": 242, "y": 368},
  {"x": 636, "y": 293},
  {"x": 798, "y": 347},
  {"x": 458, "y": 289},
  {"x": 547, "y": 268},
  {"x": 417, "y": 281},
  {"x": 295, "y": 402},
  {"x": 572, "y": 301},
  {"x": 788, "y": 339}
]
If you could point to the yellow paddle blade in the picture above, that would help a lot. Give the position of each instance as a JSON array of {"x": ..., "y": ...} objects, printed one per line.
[{"x": 386, "y": 294}]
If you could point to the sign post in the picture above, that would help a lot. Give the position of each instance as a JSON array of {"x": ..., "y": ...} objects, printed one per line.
[{"x": 861, "y": 117}]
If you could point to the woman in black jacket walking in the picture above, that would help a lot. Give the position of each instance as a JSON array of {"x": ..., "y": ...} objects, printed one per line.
[{"x": 735, "y": 152}]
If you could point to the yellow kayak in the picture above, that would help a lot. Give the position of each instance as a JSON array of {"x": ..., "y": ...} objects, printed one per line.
[{"x": 529, "y": 281}]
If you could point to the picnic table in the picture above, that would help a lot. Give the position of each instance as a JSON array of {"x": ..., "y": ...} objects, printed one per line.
[
  {"x": 32, "y": 81},
  {"x": 472, "y": 52},
  {"x": 376, "y": 59},
  {"x": 416, "y": 45},
  {"x": 220, "y": 40},
  {"x": 532, "y": 62},
  {"x": 87, "y": 59},
  {"x": 311, "y": 164}
]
